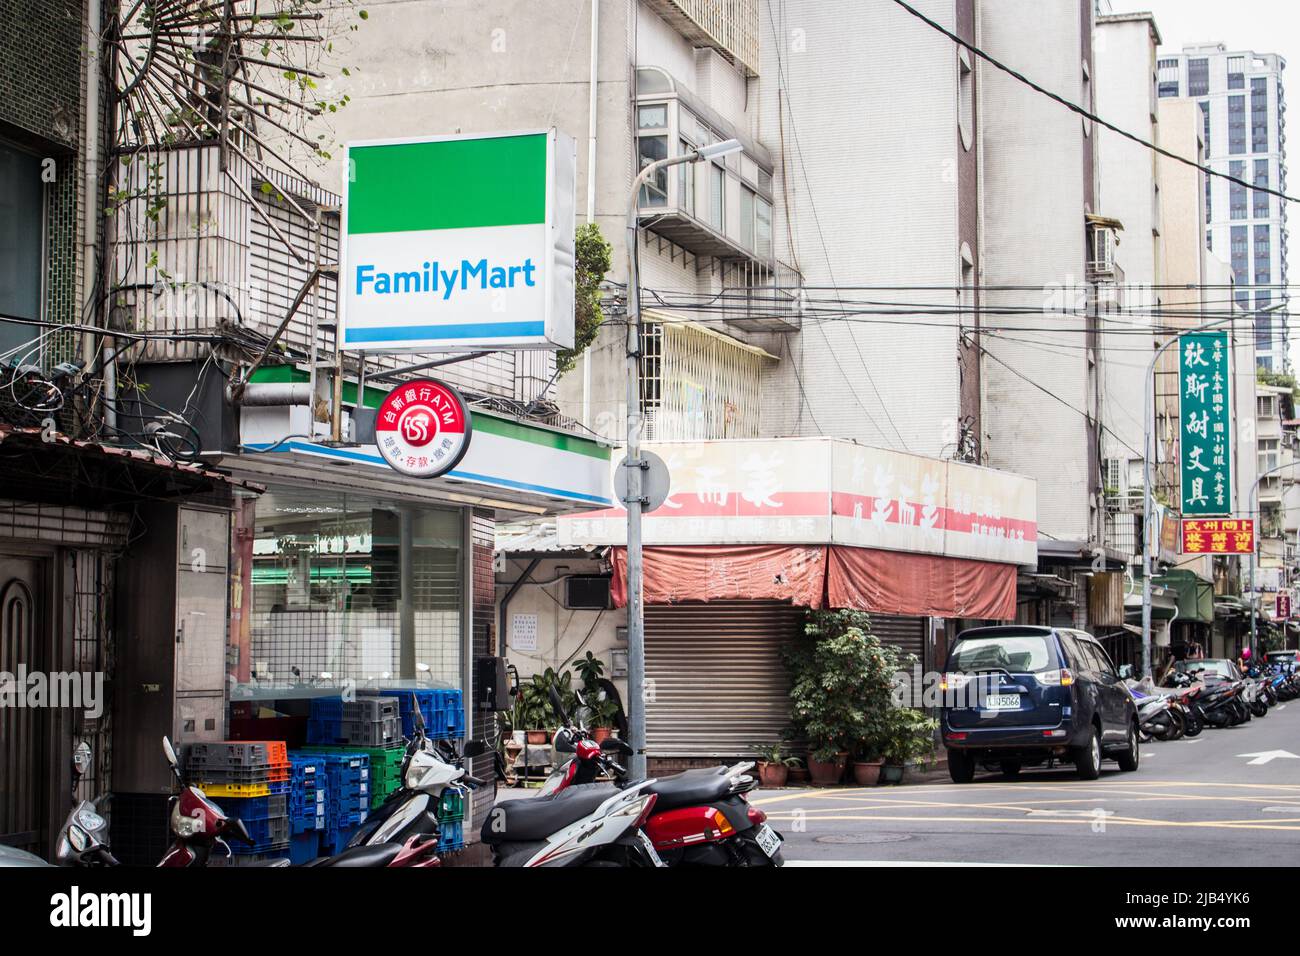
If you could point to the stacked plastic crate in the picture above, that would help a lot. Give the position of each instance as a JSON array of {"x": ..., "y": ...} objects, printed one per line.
[
  {"x": 364, "y": 722},
  {"x": 248, "y": 779},
  {"x": 443, "y": 713},
  {"x": 385, "y": 768},
  {"x": 308, "y": 806},
  {"x": 451, "y": 818},
  {"x": 347, "y": 795}
]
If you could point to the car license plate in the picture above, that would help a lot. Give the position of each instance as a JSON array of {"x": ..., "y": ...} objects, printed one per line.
[
  {"x": 1002, "y": 702},
  {"x": 768, "y": 840}
]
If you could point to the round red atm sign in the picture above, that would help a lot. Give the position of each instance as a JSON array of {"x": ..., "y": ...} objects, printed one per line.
[{"x": 423, "y": 428}]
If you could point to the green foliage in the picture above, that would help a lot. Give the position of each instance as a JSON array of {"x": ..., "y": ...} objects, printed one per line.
[
  {"x": 775, "y": 753},
  {"x": 591, "y": 669},
  {"x": 536, "y": 712},
  {"x": 909, "y": 737},
  {"x": 1278, "y": 380},
  {"x": 593, "y": 260},
  {"x": 842, "y": 686},
  {"x": 600, "y": 710}
]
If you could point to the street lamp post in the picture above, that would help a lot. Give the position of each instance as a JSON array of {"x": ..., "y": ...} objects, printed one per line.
[{"x": 633, "y": 462}]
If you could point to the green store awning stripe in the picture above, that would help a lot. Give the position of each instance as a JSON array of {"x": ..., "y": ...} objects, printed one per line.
[
  {"x": 450, "y": 184},
  {"x": 483, "y": 421}
]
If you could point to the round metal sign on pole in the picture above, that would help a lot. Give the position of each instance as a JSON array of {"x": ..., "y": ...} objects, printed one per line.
[
  {"x": 423, "y": 428},
  {"x": 655, "y": 481}
]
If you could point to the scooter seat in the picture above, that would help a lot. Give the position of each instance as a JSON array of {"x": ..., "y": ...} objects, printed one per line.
[
  {"x": 539, "y": 817},
  {"x": 690, "y": 787},
  {"x": 378, "y": 855}
]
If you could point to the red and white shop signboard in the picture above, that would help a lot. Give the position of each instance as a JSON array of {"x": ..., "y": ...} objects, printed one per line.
[{"x": 827, "y": 491}]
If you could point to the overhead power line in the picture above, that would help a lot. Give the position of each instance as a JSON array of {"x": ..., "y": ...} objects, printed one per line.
[{"x": 1087, "y": 114}]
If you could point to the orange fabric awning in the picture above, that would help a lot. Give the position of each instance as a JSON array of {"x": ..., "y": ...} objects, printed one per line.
[
  {"x": 727, "y": 572},
  {"x": 897, "y": 582}
]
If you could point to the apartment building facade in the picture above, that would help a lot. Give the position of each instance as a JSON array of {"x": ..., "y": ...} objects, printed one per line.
[{"x": 1241, "y": 95}]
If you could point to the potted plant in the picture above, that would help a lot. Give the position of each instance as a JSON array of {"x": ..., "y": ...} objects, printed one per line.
[
  {"x": 910, "y": 739},
  {"x": 600, "y": 719},
  {"x": 842, "y": 685},
  {"x": 866, "y": 768},
  {"x": 774, "y": 764},
  {"x": 798, "y": 775}
]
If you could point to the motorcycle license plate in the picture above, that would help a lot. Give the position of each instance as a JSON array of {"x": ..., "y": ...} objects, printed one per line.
[
  {"x": 650, "y": 849},
  {"x": 767, "y": 839},
  {"x": 1002, "y": 702}
]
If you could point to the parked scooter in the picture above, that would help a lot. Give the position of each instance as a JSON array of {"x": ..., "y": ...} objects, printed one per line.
[
  {"x": 701, "y": 818},
  {"x": 1158, "y": 717},
  {"x": 404, "y": 830}
]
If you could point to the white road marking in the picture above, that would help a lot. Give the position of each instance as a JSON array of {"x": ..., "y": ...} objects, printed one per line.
[
  {"x": 1268, "y": 756},
  {"x": 907, "y": 863}
]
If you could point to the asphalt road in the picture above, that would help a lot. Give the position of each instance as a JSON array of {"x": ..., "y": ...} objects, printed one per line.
[{"x": 1190, "y": 802}]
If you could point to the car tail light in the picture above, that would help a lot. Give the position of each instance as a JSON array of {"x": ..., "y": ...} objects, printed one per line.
[
  {"x": 1054, "y": 733},
  {"x": 956, "y": 736},
  {"x": 1060, "y": 678},
  {"x": 756, "y": 816}
]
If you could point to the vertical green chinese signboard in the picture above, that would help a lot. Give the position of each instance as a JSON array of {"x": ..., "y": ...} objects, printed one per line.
[{"x": 1205, "y": 423}]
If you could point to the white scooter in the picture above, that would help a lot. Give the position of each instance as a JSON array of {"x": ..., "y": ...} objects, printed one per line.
[{"x": 582, "y": 825}]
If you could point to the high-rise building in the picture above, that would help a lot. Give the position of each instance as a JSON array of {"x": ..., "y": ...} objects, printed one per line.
[{"x": 1243, "y": 108}]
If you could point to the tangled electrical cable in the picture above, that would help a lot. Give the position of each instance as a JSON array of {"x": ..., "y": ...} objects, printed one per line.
[{"x": 31, "y": 399}]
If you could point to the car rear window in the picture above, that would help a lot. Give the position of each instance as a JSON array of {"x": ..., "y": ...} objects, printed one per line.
[{"x": 1016, "y": 653}]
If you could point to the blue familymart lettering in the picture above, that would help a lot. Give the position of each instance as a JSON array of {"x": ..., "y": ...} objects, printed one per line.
[{"x": 431, "y": 278}]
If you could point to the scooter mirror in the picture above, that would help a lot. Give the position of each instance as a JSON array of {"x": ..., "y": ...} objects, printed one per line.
[
  {"x": 557, "y": 703},
  {"x": 474, "y": 748},
  {"x": 170, "y": 752},
  {"x": 614, "y": 744},
  {"x": 564, "y": 744}
]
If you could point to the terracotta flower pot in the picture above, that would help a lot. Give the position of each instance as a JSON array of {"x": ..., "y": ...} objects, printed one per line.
[
  {"x": 798, "y": 776},
  {"x": 773, "y": 774},
  {"x": 539, "y": 737},
  {"x": 866, "y": 773},
  {"x": 601, "y": 734},
  {"x": 827, "y": 773}
]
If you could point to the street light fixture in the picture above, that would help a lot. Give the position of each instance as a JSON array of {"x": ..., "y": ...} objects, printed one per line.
[{"x": 633, "y": 462}]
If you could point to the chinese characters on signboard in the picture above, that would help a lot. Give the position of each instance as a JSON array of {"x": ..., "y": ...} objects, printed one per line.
[
  {"x": 1282, "y": 608},
  {"x": 1204, "y": 424},
  {"x": 1218, "y": 536}
]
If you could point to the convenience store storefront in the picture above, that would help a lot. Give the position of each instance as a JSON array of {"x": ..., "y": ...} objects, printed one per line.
[{"x": 350, "y": 578}]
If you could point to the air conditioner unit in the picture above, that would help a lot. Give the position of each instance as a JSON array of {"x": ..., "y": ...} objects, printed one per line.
[{"x": 1103, "y": 250}]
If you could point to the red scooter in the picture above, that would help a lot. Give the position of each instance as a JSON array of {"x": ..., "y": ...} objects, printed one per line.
[{"x": 701, "y": 817}]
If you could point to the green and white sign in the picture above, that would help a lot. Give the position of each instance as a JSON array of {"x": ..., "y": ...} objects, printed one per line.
[
  {"x": 1205, "y": 423},
  {"x": 459, "y": 243}
]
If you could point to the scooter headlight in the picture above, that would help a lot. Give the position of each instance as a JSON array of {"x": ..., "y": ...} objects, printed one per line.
[
  {"x": 91, "y": 820},
  {"x": 78, "y": 837}
]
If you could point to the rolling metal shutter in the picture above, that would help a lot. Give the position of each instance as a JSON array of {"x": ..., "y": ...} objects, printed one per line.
[
  {"x": 719, "y": 685},
  {"x": 911, "y": 634}
]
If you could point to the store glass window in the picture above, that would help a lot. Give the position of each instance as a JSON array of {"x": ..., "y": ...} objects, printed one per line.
[{"x": 347, "y": 590}]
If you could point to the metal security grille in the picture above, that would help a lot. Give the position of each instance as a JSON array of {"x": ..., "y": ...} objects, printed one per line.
[
  {"x": 342, "y": 583},
  {"x": 92, "y": 595},
  {"x": 698, "y": 384},
  {"x": 910, "y": 634},
  {"x": 717, "y": 682}
]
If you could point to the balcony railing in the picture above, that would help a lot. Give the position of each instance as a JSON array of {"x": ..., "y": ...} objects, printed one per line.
[
  {"x": 762, "y": 297},
  {"x": 728, "y": 26}
]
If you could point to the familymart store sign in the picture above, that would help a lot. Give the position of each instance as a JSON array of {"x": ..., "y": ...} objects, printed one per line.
[{"x": 458, "y": 243}]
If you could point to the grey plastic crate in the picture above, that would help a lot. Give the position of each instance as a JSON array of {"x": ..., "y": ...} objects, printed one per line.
[
  {"x": 370, "y": 708},
  {"x": 371, "y": 733},
  {"x": 250, "y": 754}
]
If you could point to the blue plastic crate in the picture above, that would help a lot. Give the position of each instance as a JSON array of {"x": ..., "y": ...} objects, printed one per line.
[
  {"x": 304, "y": 847},
  {"x": 335, "y": 841},
  {"x": 272, "y": 834},
  {"x": 451, "y": 836},
  {"x": 255, "y": 808}
]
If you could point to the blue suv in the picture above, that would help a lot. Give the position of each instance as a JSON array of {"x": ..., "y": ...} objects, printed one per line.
[{"x": 1017, "y": 696}]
